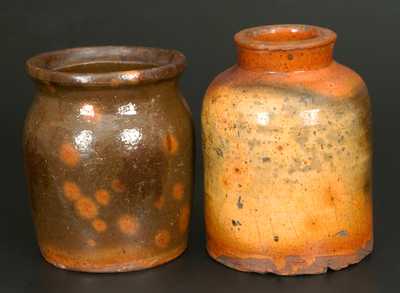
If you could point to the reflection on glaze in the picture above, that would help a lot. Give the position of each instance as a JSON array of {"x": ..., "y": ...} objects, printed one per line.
[
  {"x": 127, "y": 110},
  {"x": 83, "y": 140},
  {"x": 263, "y": 118},
  {"x": 310, "y": 117},
  {"x": 130, "y": 76},
  {"x": 87, "y": 110},
  {"x": 83, "y": 78},
  {"x": 130, "y": 137}
]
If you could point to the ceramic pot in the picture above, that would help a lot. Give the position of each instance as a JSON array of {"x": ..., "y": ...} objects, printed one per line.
[
  {"x": 108, "y": 152},
  {"x": 287, "y": 156}
]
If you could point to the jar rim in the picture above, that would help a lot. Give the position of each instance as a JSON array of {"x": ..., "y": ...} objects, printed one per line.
[
  {"x": 46, "y": 67},
  {"x": 284, "y": 37}
]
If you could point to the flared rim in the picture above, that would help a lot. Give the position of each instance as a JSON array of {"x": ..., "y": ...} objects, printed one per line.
[{"x": 46, "y": 67}]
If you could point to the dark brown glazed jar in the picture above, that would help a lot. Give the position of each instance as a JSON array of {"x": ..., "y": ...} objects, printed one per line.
[
  {"x": 108, "y": 153},
  {"x": 287, "y": 156}
]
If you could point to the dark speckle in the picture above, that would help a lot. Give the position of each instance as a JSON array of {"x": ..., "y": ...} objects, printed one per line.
[
  {"x": 236, "y": 223},
  {"x": 290, "y": 56},
  {"x": 266, "y": 159},
  {"x": 219, "y": 152},
  {"x": 367, "y": 187},
  {"x": 239, "y": 203},
  {"x": 342, "y": 233},
  {"x": 276, "y": 238}
]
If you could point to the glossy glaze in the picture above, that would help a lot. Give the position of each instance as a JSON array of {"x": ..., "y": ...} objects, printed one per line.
[
  {"x": 287, "y": 156},
  {"x": 108, "y": 151}
]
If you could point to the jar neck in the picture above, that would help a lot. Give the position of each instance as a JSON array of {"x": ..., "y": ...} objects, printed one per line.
[{"x": 285, "y": 48}]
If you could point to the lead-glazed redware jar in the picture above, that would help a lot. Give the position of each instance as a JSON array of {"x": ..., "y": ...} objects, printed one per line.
[
  {"x": 108, "y": 153},
  {"x": 287, "y": 156}
]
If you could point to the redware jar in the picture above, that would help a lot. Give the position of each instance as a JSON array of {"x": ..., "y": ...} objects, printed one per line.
[
  {"x": 287, "y": 156},
  {"x": 108, "y": 152}
]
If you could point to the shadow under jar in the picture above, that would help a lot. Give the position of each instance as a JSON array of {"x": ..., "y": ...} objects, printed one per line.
[
  {"x": 287, "y": 156},
  {"x": 108, "y": 153}
]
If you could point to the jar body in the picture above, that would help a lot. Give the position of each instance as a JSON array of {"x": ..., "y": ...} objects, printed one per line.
[
  {"x": 110, "y": 175},
  {"x": 287, "y": 160}
]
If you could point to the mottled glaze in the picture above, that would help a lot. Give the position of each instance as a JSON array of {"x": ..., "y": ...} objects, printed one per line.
[
  {"x": 108, "y": 152},
  {"x": 287, "y": 156}
]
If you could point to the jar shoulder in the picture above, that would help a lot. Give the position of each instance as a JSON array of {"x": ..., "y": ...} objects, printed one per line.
[
  {"x": 334, "y": 82},
  {"x": 125, "y": 123},
  {"x": 285, "y": 100}
]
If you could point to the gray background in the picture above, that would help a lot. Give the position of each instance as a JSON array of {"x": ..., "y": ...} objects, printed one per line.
[{"x": 368, "y": 42}]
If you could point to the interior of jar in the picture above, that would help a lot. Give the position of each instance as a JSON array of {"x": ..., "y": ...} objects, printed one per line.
[
  {"x": 285, "y": 34},
  {"x": 104, "y": 67}
]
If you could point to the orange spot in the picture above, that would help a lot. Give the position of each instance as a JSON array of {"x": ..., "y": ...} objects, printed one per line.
[
  {"x": 51, "y": 88},
  {"x": 115, "y": 82},
  {"x": 86, "y": 208},
  {"x": 159, "y": 203},
  {"x": 170, "y": 144},
  {"x": 184, "y": 216},
  {"x": 178, "y": 191},
  {"x": 71, "y": 191},
  {"x": 102, "y": 196},
  {"x": 162, "y": 238},
  {"x": 225, "y": 182},
  {"x": 91, "y": 242},
  {"x": 99, "y": 225},
  {"x": 127, "y": 224},
  {"x": 118, "y": 186},
  {"x": 69, "y": 155}
]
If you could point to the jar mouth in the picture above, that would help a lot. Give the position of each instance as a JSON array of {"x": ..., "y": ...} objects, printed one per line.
[
  {"x": 106, "y": 66},
  {"x": 284, "y": 37}
]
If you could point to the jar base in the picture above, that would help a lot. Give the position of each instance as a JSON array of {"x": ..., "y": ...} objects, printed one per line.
[
  {"x": 293, "y": 265},
  {"x": 60, "y": 260}
]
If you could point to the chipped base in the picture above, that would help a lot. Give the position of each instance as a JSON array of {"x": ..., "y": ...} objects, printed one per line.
[
  {"x": 66, "y": 262},
  {"x": 294, "y": 265}
]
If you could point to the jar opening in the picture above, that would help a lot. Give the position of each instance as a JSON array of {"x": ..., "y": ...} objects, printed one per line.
[
  {"x": 285, "y": 34},
  {"x": 285, "y": 48},
  {"x": 106, "y": 66},
  {"x": 284, "y": 37}
]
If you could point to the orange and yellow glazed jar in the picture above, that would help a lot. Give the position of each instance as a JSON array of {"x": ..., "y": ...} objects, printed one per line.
[{"x": 287, "y": 156}]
